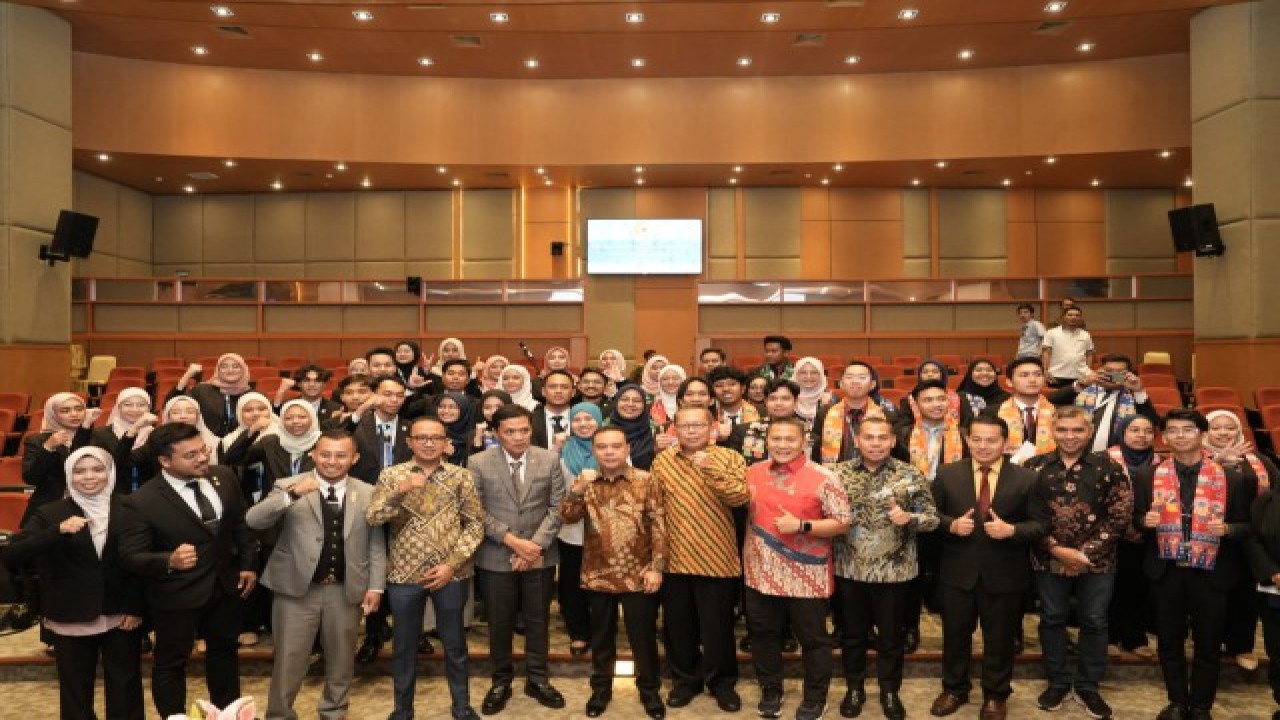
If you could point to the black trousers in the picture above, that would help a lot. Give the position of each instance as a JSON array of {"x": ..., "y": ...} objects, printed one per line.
[
  {"x": 218, "y": 622},
  {"x": 922, "y": 592},
  {"x": 1129, "y": 617},
  {"x": 640, "y": 615},
  {"x": 1269, "y": 609},
  {"x": 768, "y": 615},
  {"x": 698, "y": 631},
  {"x": 1001, "y": 616},
  {"x": 884, "y": 605},
  {"x": 1241, "y": 632},
  {"x": 1186, "y": 599},
  {"x": 573, "y": 599},
  {"x": 528, "y": 595},
  {"x": 77, "y": 663}
]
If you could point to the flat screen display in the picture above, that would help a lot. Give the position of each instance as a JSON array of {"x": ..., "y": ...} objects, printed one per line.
[{"x": 644, "y": 247}]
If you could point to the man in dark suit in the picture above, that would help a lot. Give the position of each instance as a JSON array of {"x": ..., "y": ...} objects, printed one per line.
[
  {"x": 987, "y": 527},
  {"x": 1190, "y": 585},
  {"x": 1111, "y": 394},
  {"x": 185, "y": 533},
  {"x": 520, "y": 487},
  {"x": 551, "y": 417},
  {"x": 309, "y": 381}
]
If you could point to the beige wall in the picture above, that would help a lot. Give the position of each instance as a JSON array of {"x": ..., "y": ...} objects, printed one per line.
[{"x": 122, "y": 247}]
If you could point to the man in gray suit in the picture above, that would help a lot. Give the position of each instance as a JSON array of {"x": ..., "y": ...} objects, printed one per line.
[
  {"x": 521, "y": 488},
  {"x": 328, "y": 566}
]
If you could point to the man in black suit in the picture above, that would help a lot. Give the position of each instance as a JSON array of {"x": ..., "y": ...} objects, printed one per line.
[
  {"x": 184, "y": 532},
  {"x": 987, "y": 527},
  {"x": 551, "y": 417},
  {"x": 1111, "y": 394},
  {"x": 1190, "y": 586},
  {"x": 309, "y": 381}
]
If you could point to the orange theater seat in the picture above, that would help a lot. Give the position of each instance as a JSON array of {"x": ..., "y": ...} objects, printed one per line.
[
  {"x": 1218, "y": 396},
  {"x": 333, "y": 362},
  {"x": 1262, "y": 397},
  {"x": 12, "y": 507},
  {"x": 894, "y": 394},
  {"x": 291, "y": 363},
  {"x": 1164, "y": 396},
  {"x": 11, "y": 472},
  {"x": 18, "y": 402},
  {"x": 127, "y": 372},
  {"x": 1271, "y": 417},
  {"x": 1155, "y": 369},
  {"x": 168, "y": 362},
  {"x": 1153, "y": 381}
]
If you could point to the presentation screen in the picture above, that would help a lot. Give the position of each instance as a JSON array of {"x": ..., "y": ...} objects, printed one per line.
[{"x": 644, "y": 247}]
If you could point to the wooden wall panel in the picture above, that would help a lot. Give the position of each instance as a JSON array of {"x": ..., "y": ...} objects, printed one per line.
[
  {"x": 380, "y": 226},
  {"x": 1070, "y": 249},
  {"x": 866, "y": 249}
]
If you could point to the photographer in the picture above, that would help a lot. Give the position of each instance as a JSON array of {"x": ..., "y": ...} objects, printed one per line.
[{"x": 1111, "y": 394}]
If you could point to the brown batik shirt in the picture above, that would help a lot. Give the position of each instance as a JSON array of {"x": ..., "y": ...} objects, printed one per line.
[{"x": 625, "y": 530}]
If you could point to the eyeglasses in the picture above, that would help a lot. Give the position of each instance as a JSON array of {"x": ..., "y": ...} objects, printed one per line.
[
  {"x": 692, "y": 426},
  {"x": 429, "y": 439}
]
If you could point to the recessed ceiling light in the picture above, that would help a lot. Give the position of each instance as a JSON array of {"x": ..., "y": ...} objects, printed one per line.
[
  {"x": 737, "y": 168},
  {"x": 539, "y": 170},
  {"x": 228, "y": 163},
  {"x": 852, "y": 59},
  {"x": 103, "y": 157},
  {"x": 635, "y": 18},
  {"x": 442, "y": 169},
  {"x": 940, "y": 164},
  {"x": 639, "y": 181},
  {"x": 499, "y": 17},
  {"x": 159, "y": 179},
  {"x": 366, "y": 183},
  {"x": 915, "y": 181},
  {"x": 546, "y": 181},
  {"x": 908, "y": 14},
  {"x": 637, "y": 62},
  {"x": 1187, "y": 183},
  {"x": 1027, "y": 172},
  {"x": 531, "y": 63},
  {"x": 314, "y": 56},
  {"x": 1095, "y": 182},
  {"x": 362, "y": 15},
  {"x": 733, "y": 181},
  {"x": 770, "y": 17},
  {"x": 826, "y": 181},
  {"x": 188, "y": 188},
  {"x": 1056, "y": 6},
  {"x": 277, "y": 185},
  {"x": 199, "y": 50},
  {"x": 965, "y": 54},
  {"x": 222, "y": 11},
  {"x": 744, "y": 61},
  {"x": 1050, "y": 160},
  {"x": 425, "y": 61},
  {"x": 456, "y": 182},
  {"x": 1086, "y": 46},
  {"x": 838, "y": 167},
  {"x": 1166, "y": 154},
  {"x": 639, "y": 168},
  {"x": 340, "y": 166},
  {"x": 1006, "y": 182}
]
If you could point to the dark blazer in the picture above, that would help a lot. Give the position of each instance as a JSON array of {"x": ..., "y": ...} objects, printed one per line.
[
  {"x": 369, "y": 445},
  {"x": 75, "y": 584},
  {"x": 1231, "y": 563},
  {"x": 1263, "y": 543},
  {"x": 44, "y": 469},
  {"x": 213, "y": 406},
  {"x": 131, "y": 460},
  {"x": 249, "y": 449},
  {"x": 1003, "y": 566},
  {"x": 1066, "y": 395},
  {"x": 540, "y": 437},
  {"x": 155, "y": 521}
]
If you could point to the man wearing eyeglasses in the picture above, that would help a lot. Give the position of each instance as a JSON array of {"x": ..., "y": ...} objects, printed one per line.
[
  {"x": 436, "y": 523},
  {"x": 521, "y": 487},
  {"x": 699, "y": 483}
]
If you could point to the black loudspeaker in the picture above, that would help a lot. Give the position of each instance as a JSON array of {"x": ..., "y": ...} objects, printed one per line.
[
  {"x": 1195, "y": 229},
  {"x": 557, "y": 248},
  {"x": 72, "y": 237},
  {"x": 413, "y": 284}
]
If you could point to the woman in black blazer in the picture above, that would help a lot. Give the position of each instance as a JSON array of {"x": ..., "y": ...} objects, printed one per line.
[
  {"x": 124, "y": 435},
  {"x": 1263, "y": 547},
  {"x": 218, "y": 396},
  {"x": 66, "y": 428},
  {"x": 281, "y": 450},
  {"x": 91, "y": 606}
]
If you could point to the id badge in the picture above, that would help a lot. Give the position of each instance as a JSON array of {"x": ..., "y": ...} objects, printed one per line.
[{"x": 1183, "y": 556}]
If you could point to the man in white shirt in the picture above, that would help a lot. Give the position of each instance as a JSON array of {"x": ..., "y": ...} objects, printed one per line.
[
  {"x": 1067, "y": 350},
  {"x": 551, "y": 418},
  {"x": 1030, "y": 332}
]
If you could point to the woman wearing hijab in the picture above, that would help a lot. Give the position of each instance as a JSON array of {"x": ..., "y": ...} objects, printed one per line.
[
  {"x": 409, "y": 366},
  {"x": 91, "y": 606},
  {"x": 451, "y": 348},
  {"x": 457, "y": 412},
  {"x": 649, "y": 375},
  {"x": 358, "y": 366},
  {"x": 489, "y": 376},
  {"x": 930, "y": 369},
  {"x": 556, "y": 358},
  {"x": 979, "y": 389},
  {"x": 584, "y": 419},
  {"x": 614, "y": 366},
  {"x": 757, "y": 392},
  {"x": 124, "y": 436},
  {"x": 283, "y": 448},
  {"x": 631, "y": 414},
  {"x": 1226, "y": 444},
  {"x": 183, "y": 409},
  {"x": 219, "y": 395},
  {"x": 664, "y": 405},
  {"x": 811, "y": 376},
  {"x": 1131, "y": 611},
  {"x": 516, "y": 382},
  {"x": 490, "y": 401},
  {"x": 65, "y": 429}
]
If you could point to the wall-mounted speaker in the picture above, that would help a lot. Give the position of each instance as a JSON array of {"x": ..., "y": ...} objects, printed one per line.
[
  {"x": 413, "y": 284},
  {"x": 557, "y": 248},
  {"x": 72, "y": 237},
  {"x": 1195, "y": 229}
]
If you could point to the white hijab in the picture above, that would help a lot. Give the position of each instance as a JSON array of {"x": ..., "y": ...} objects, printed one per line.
[
  {"x": 297, "y": 445},
  {"x": 524, "y": 395},
  {"x": 810, "y": 398},
  {"x": 667, "y": 399},
  {"x": 616, "y": 368},
  {"x": 462, "y": 350},
  {"x": 96, "y": 507},
  {"x": 272, "y": 429},
  {"x": 116, "y": 421},
  {"x": 51, "y": 422}
]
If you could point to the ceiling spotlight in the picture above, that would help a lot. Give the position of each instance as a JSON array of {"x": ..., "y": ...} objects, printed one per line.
[
  {"x": 103, "y": 157},
  {"x": 314, "y": 56},
  {"x": 539, "y": 170},
  {"x": 965, "y": 54},
  {"x": 199, "y": 50},
  {"x": 838, "y": 167},
  {"x": 1095, "y": 182},
  {"x": 635, "y": 18},
  {"x": 639, "y": 168},
  {"x": 908, "y": 14},
  {"x": 733, "y": 181},
  {"x": 340, "y": 166},
  {"x": 188, "y": 188},
  {"x": 442, "y": 169},
  {"x": 1086, "y": 46},
  {"x": 366, "y": 183},
  {"x": 425, "y": 61},
  {"x": 744, "y": 61},
  {"x": 1166, "y": 154},
  {"x": 852, "y": 60},
  {"x": 1187, "y": 183},
  {"x": 499, "y": 17},
  {"x": 639, "y": 181},
  {"x": 1006, "y": 182},
  {"x": 940, "y": 164},
  {"x": 222, "y": 11},
  {"x": 915, "y": 181},
  {"x": 637, "y": 62},
  {"x": 362, "y": 15},
  {"x": 1050, "y": 160},
  {"x": 770, "y": 18},
  {"x": 826, "y": 181},
  {"x": 1056, "y": 6},
  {"x": 531, "y": 63},
  {"x": 228, "y": 163},
  {"x": 546, "y": 181},
  {"x": 277, "y": 185},
  {"x": 457, "y": 182}
]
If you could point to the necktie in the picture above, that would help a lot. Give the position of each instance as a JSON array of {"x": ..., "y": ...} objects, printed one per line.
[
  {"x": 229, "y": 420},
  {"x": 388, "y": 445},
  {"x": 516, "y": 478},
  {"x": 935, "y": 449},
  {"x": 1029, "y": 424},
  {"x": 984, "y": 496},
  {"x": 332, "y": 497},
  {"x": 733, "y": 420},
  {"x": 207, "y": 513},
  {"x": 295, "y": 465},
  {"x": 557, "y": 423},
  {"x": 850, "y": 448}
]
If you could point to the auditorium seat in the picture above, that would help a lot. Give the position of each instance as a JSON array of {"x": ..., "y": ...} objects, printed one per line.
[
  {"x": 207, "y": 363},
  {"x": 268, "y": 385},
  {"x": 748, "y": 362},
  {"x": 1218, "y": 396},
  {"x": 833, "y": 364},
  {"x": 1157, "y": 357},
  {"x": 167, "y": 379},
  {"x": 115, "y": 385},
  {"x": 11, "y": 472},
  {"x": 100, "y": 367},
  {"x": 291, "y": 362},
  {"x": 906, "y": 383},
  {"x": 12, "y": 506},
  {"x": 1155, "y": 369},
  {"x": 953, "y": 362},
  {"x": 953, "y": 381},
  {"x": 893, "y": 394},
  {"x": 872, "y": 360},
  {"x": 1265, "y": 396},
  {"x": 168, "y": 362},
  {"x": 18, "y": 402},
  {"x": 1154, "y": 381},
  {"x": 911, "y": 360},
  {"x": 332, "y": 362},
  {"x": 1164, "y": 396},
  {"x": 1270, "y": 416},
  {"x": 8, "y": 428}
]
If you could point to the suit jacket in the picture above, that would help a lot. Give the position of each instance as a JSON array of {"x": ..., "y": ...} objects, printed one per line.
[
  {"x": 156, "y": 520},
  {"x": 45, "y": 470},
  {"x": 540, "y": 419},
  {"x": 369, "y": 445},
  {"x": 300, "y": 523},
  {"x": 1231, "y": 564},
  {"x": 213, "y": 406},
  {"x": 75, "y": 584},
  {"x": 1002, "y": 566},
  {"x": 252, "y": 449},
  {"x": 1067, "y": 396},
  {"x": 532, "y": 514}
]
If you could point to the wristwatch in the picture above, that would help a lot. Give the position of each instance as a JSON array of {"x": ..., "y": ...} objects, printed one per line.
[{"x": 806, "y": 526}]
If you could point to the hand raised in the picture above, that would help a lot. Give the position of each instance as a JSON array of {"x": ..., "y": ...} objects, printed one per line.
[
  {"x": 963, "y": 525},
  {"x": 1152, "y": 518},
  {"x": 787, "y": 523},
  {"x": 72, "y": 525},
  {"x": 897, "y": 515},
  {"x": 183, "y": 557},
  {"x": 996, "y": 528}
]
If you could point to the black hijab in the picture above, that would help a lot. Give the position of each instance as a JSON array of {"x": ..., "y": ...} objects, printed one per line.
[
  {"x": 460, "y": 430},
  {"x": 639, "y": 430}
]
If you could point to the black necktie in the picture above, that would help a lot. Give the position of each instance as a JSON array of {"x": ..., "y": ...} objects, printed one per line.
[
  {"x": 207, "y": 513},
  {"x": 332, "y": 497},
  {"x": 557, "y": 423}
]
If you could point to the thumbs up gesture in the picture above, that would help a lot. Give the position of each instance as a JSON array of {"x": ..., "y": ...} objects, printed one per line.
[
  {"x": 963, "y": 525},
  {"x": 1152, "y": 518},
  {"x": 787, "y": 523},
  {"x": 897, "y": 515},
  {"x": 996, "y": 528}
]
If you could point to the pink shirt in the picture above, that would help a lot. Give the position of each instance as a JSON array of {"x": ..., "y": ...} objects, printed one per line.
[{"x": 796, "y": 564}]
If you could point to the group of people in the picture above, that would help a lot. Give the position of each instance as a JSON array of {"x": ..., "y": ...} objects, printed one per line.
[{"x": 684, "y": 499}]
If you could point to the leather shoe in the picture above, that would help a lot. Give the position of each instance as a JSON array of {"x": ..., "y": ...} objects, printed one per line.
[
  {"x": 465, "y": 713},
  {"x": 495, "y": 700},
  {"x": 1173, "y": 711},
  {"x": 545, "y": 694},
  {"x": 653, "y": 706},
  {"x": 892, "y": 706},
  {"x": 854, "y": 699},
  {"x": 1199, "y": 713},
  {"x": 680, "y": 696},
  {"x": 911, "y": 642},
  {"x": 728, "y": 700},
  {"x": 946, "y": 704},
  {"x": 993, "y": 709},
  {"x": 368, "y": 651},
  {"x": 598, "y": 702}
]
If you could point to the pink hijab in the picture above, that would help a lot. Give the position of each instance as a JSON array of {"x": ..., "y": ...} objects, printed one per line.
[{"x": 238, "y": 388}]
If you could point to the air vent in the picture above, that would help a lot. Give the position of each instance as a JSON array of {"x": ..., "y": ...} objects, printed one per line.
[
  {"x": 808, "y": 39},
  {"x": 1052, "y": 27},
  {"x": 235, "y": 31},
  {"x": 203, "y": 175},
  {"x": 467, "y": 41}
]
